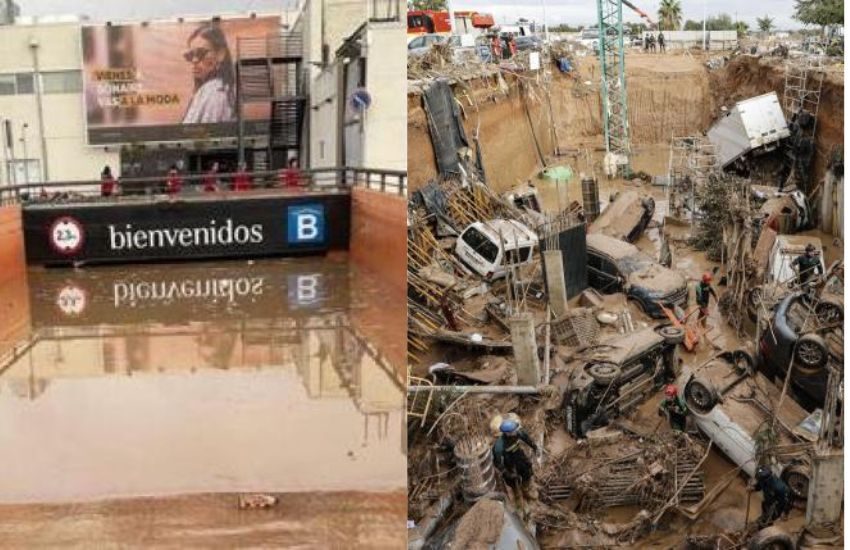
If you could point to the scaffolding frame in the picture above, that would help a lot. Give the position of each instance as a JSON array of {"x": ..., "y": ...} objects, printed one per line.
[
  {"x": 803, "y": 84},
  {"x": 613, "y": 88},
  {"x": 692, "y": 160}
]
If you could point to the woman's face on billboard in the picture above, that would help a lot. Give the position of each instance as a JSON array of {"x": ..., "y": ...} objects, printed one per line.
[{"x": 203, "y": 57}]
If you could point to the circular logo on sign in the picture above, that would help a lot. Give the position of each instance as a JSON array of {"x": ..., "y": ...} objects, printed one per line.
[
  {"x": 72, "y": 300},
  {"x": 66, "y": 235}
]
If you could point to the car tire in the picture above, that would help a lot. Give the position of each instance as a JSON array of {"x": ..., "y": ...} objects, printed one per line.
[
  {"x": 797, "y": 477},
  {"x": 810, "y": 352},
  {"x": 603, "y": 373},
  {"x": 772, "y": 538},
  {"x": 672, "y": 335},
  {"x": 700, "y": 395}
]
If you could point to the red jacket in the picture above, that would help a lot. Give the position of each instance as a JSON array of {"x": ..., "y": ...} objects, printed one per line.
[
  {"x": 290, "y": 177},
  {"x": 241, "y": 181},
  {"x": 211, "y": 182},
  {"x": 173, "y": 183},
  {"x": 107, "y": 186}
]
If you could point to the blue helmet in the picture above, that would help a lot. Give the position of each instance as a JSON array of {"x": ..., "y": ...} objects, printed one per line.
[{"x": 508, "y": 426}]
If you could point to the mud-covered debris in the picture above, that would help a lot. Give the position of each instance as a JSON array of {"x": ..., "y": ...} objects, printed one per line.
[
  {"x": 256, "y": 501},
  {"x": 481, "y": 526}
]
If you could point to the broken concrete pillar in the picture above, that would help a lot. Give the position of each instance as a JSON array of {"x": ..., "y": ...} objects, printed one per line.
[
  {"x": 826, "y": 489},
  {"x": 556, "y": 285},
  {"x": 525, "y": 349}
]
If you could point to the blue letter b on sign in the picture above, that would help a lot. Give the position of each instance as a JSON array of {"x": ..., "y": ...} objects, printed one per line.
[{"x": 305, "y": 224}]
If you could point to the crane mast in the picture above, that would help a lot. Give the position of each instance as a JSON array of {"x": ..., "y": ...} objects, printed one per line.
[{"x": 613, "y": 88}]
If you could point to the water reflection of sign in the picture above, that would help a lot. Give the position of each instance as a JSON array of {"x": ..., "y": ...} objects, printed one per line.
[
  {"x": 304, "y": 290},
  {"x": 306, "y": 224},
  {"x": 72, "y": 300},
  {"x": 136, "y": 292},
  {"x": 66, "y": 235}
]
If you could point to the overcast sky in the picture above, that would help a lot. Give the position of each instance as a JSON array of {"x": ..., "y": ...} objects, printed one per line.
[
  {"x": 576, "y": 12},
  {"x": 105, "y": 10},
  {"x": 579, "y": 12}
]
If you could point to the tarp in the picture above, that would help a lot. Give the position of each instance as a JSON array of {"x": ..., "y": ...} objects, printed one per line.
[{"x": 444, "y": 123}]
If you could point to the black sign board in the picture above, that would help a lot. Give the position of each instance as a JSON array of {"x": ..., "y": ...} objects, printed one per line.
[
  {"x": 194, "y": 228},
  {"x": 572, "y": 243}
]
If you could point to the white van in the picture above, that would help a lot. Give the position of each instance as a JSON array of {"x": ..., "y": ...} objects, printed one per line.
[
  {"x": 483, "y": 245},
  {"x": 786, "y": 248}
]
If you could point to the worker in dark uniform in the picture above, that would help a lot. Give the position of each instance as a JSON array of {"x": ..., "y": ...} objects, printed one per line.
[
  {"x": 507, "y": 454},
  {"x": 661, "y": 46},
  {"x": 807, "y": 264},
  {"x": 674, "y": 408},
  {"x": 704, "y": 291},
  {"x": 776, "y": 496}
]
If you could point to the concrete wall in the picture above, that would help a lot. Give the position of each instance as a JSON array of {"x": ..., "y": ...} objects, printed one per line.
[
  {"x": 379, "y": 246},
  {"x": 14, "y": 292},
  {"x": 68, "y": 156},
  {"x": 385, "y": 139}
]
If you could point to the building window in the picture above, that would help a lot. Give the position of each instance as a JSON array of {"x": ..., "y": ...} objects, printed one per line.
[
  {"x": 7, "y": 84},
  {"x": 24, "y": 82},
  {"x": 62, "y": 82}
]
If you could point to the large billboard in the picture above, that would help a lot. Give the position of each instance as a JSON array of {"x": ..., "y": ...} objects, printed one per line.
[{"x": 168, "y": 81}]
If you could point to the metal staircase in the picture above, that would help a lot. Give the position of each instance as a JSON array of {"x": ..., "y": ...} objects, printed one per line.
[{"x": 269, "y": 71}]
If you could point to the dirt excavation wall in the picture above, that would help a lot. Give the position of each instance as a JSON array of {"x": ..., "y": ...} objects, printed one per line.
[
  {"x": 747, "y": 76},
  {"x": 379, "y": 245},
  {"x": 14, "y": 295},
  {"x": 507, "y": 141},
  {"x": 664, "y": 97}
]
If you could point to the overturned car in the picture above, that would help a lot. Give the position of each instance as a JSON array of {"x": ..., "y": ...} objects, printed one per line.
[
  {"x": 734, "y": 406},
  {"x": 620, "y": 374}
]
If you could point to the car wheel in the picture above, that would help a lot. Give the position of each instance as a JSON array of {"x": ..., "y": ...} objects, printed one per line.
[
  {"x": 829, "y": 313},
  {"x": 672, "y": 335},
  {"x": 700, "y": 396},
  {"x": 797, "y": 478},
  {"x": 771, "y": 538},
  {"x": 603, "y": 373},
  {"x": 811, "y": 352}
]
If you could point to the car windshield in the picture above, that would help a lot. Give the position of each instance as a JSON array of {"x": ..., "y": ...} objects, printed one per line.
[{"x": 635, "y": 262}]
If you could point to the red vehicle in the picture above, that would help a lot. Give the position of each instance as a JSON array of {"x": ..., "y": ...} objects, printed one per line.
[{"x": 437, "y": 22}]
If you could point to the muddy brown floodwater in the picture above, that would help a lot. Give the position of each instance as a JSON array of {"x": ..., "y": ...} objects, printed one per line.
[{"x": 146, "y": 398}]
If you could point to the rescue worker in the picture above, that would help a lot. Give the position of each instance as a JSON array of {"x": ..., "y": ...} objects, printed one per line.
[
  {"x": 507, "y": 454},
  {"x": 776, "y": 496},
  {"x": 496, "y": 47},
  {"x": 806, "y": 265},
  {"x": 661, "y": 46},
  {"x": 704, "y": 291},
  {"x": 674, "y": 408},
  {"x": 512, "y": 45},
  {"x": 645, "y": 43},
  {"x": 210, "y": 181},
  {"x": 291, "y": 176},
  {"x": 241, "y": 180}
]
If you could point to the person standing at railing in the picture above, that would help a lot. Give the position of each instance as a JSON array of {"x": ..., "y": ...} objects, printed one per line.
[
  {"x": 173, "y": 183},
  {"x": 242, "y": 181},
  {"x": 211, "y": 179},
  {"x": 107, "y": 182},
  {"x": 291, "y": 176}
]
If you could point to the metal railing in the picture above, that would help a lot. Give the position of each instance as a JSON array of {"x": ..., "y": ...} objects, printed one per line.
[{"x": 274, "y": 182}]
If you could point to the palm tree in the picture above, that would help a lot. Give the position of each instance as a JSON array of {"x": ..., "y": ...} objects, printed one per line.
[
  {"x": 670, "y": 14},
  {"x": 742, "y": 28},
  {"x": 765, "y": 24}
]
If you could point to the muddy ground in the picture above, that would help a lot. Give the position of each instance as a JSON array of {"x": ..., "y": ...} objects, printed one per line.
[
  {"x": 669, "y": 95},
  {"x": 299, "y": 520}
]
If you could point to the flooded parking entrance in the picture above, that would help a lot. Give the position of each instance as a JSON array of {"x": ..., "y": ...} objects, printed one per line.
[{"x": 166, "y": 380}]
